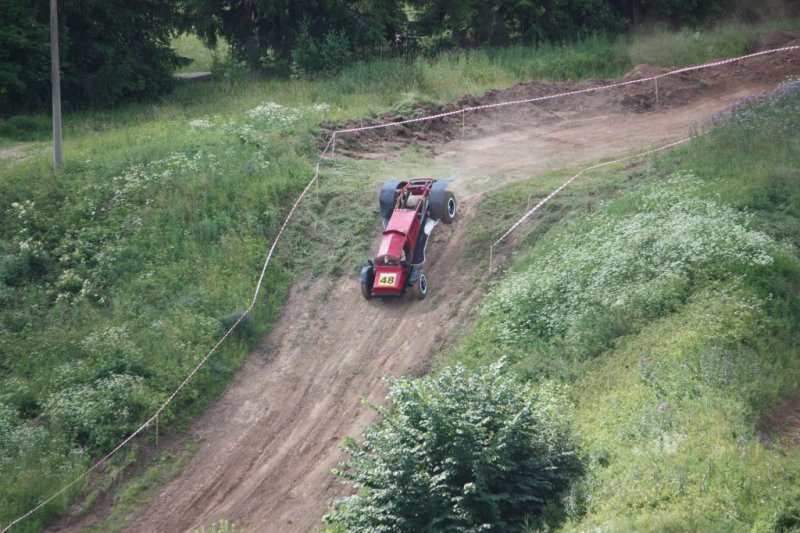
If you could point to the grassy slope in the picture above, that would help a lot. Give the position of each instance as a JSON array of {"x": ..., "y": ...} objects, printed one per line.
[
  {"x": 120, "y": 272},
  {"x": 673, "y": 312}
]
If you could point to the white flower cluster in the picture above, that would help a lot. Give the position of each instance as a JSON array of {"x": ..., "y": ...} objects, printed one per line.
[
  {"x": 29, "y": 218},
  {"x": 23, "y": 208},
  {"x": 269, "y": 115},
  {"x": 139, "y": 178},
  {"x": 84, "y": 408},
  {"x": 276, "y": 115},
  {"x": 201, "y": 124},
  {"x": 615, "y": 260},
  {"x": 16, "y": 438},
  {"x": 113, "y": 339}
]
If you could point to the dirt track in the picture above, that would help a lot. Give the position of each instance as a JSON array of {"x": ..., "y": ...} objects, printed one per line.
[{"x": 270, "y": 442}]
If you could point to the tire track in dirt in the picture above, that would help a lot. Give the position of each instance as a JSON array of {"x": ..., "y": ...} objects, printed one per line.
[{"x": 270, "y": 441}]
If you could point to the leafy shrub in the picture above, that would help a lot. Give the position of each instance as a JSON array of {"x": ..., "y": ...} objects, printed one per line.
[
  {"x": 310, "y": 56},
  {"x": 99, "y": 415},
  {"x": 26, "y": 128},
  {"x": 225, "y": 67},
  {"x": 459, "y": 451}
]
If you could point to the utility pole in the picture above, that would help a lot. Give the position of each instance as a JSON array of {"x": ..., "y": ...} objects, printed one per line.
[{"x": 58, "y": 157}]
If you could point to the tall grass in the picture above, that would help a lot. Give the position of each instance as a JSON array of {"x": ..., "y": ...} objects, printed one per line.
[
  {"x": 661, "y": 46},
  {"x": 673, "y": 312}
]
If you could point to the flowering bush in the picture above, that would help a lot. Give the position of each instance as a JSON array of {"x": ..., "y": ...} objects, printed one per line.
[
  {"x": 748, "y": 113},
  {"x": 643, "y": 258}
]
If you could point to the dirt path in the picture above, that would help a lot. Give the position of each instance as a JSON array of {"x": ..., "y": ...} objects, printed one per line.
[{"x": 270, "y": 442}]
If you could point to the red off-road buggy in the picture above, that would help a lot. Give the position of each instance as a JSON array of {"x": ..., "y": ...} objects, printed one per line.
[{"x": 410, "y": 211}]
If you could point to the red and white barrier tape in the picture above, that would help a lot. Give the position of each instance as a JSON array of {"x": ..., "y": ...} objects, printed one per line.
[{"x": 329, "y": 146}]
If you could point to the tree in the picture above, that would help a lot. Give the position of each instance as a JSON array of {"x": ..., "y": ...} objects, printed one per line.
[
  {"x": 260, "y": 27},
  {"x": 675, "y": 12},
  {"x": 24, "y": 53},
  {"x": 499, "y": 22},
  {"x": 111, "y": 51},
  {"x": 458, "y": 451}
]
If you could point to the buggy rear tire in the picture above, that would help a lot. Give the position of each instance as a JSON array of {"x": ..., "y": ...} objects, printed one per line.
[
  {"x": 450, "y": 208},
  {"x": 420, "y": 288},
  {"x": 445, "y": 208}
]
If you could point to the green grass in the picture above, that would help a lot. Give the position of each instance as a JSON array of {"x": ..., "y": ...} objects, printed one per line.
[
  {"x": 660, "y": 46},
  {"x": 672, "y": 312},
  {"x": 202, "y": 57}
]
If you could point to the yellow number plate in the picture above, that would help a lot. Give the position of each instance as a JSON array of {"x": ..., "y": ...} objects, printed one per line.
[{"x": 387, "y": 280}]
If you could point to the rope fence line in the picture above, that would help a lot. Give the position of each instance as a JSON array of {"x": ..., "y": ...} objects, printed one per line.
[
  {"x": 564, "y": 185},
  {"x": 331, "y": 147}
]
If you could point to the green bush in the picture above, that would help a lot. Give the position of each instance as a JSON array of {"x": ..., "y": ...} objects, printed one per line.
[
  {"x": 26, "y": 128},
  {"x": 459, "y": 451},
  {"x": 24, "y": 55},
  {"x": 99, "y": 415},
  {"x": 330, "y": 55}
]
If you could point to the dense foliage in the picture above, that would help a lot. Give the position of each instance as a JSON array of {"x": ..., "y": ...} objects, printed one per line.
[
  {"x": 262, "y": 27},
  {"x": 499, "y": 22},
  {"x": 113, "y": 51},
  {"x": 110, "y": 51},
  {"x": 459, "y": 451},
  {"x": 24, "y": 53},
  {"x": 676, "y": 12},
  {"x": 325, "y": 36}
]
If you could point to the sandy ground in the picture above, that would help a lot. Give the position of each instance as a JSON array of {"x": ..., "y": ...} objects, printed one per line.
[{"x": 269, "y": 443}]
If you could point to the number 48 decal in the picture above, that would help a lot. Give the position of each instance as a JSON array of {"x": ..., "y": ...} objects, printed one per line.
[{"x": 387, "y": 280}]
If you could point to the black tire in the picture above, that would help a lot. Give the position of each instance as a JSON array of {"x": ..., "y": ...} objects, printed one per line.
[
  {"x": 367, "y": 278},
  {"x": 420, "y": 288},
  {"x": 388, "y": 198},
  {"x": 366, "y": 290},
  {"x": 443, "y": 206},
  {"x": 450, "y": 208}
]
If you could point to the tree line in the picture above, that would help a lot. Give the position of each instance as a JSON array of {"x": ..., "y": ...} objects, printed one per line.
[{"x": 117, "y": 50}]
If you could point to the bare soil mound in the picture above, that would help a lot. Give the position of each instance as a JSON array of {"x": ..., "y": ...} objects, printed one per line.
[
  {"x": 673, "y": 91},
  {"x": 781, "y": 424},
  {"x": 774, "y": 39}
]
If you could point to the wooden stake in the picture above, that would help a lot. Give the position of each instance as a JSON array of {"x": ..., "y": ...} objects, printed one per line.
[{"x": 656, "y": 91}]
